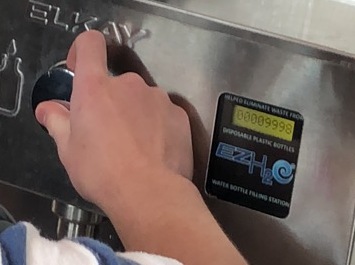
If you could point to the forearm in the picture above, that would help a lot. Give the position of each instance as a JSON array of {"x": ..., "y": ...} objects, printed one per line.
[{"x": 164, "y": 222}]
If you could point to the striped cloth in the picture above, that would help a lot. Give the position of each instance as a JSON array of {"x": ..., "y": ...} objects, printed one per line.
[{"x": 21, "y": 244}]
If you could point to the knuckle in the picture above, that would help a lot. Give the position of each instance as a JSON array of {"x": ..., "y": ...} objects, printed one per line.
[
  {"x": 132, "y": 78},
  {"x": 181, "y": 114},
  {"x": 161, "y": 94}
]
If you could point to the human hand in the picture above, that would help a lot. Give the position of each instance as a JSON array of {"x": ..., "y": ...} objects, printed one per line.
[
  {"x": 118, "y": 130},
  {"x": 126, "y": 146}
]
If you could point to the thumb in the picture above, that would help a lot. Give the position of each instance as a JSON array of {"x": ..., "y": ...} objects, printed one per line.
[{"x": 55, "y": 117}]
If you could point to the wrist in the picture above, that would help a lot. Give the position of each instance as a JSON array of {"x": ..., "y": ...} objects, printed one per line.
[
  {"x": 156, "y": 187},
  {"x": 165, "y": 214}
]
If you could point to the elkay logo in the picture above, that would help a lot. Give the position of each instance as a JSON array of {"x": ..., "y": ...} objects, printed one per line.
[
  {"x": 52, "y": 16},
  {"x": 281, "y": 171}
]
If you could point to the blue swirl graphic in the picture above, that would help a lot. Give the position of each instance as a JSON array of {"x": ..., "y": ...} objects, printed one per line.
[{"x": 283, "y": 171}]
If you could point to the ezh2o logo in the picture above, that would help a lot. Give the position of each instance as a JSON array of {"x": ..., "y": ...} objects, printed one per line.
[{"x": 281, "y": 171}]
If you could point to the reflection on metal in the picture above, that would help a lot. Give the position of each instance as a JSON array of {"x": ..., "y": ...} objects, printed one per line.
[
  {"x": 74, "y": 222},
  {"x": 11, "y": 81},
  {"x": 199, "y": 58}
]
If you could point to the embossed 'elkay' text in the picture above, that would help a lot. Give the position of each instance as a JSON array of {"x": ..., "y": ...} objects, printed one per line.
[{"x": 52, "y": 16}]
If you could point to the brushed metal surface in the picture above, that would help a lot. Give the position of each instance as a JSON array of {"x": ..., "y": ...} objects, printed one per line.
[
  {"x": 199, "y": 58},
  {"x": 323, "y": 22}
]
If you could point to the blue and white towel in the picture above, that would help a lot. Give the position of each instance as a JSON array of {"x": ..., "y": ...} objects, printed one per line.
[{"x": 22, "y": 244}]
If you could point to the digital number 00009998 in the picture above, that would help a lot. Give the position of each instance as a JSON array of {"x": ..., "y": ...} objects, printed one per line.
[{"x": 263, "y": 123}]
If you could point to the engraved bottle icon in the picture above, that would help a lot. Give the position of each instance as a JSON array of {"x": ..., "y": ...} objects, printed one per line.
[{"x": 11, "y": 81}]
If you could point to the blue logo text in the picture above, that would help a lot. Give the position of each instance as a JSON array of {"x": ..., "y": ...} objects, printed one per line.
[{"x": 281, "y": 171}]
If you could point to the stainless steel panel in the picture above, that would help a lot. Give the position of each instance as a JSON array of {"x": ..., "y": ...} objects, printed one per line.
[
  {"x": 323, "y": 22},
  {"x": 197, "y": 57}
]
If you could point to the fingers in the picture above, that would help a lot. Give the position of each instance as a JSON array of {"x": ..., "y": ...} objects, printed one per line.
[
  {"x": 88, "y": 54},
  {"x": 55, "y": 117}
]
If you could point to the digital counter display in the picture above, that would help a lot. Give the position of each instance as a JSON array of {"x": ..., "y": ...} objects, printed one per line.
[{"x": 263, "y": 123}]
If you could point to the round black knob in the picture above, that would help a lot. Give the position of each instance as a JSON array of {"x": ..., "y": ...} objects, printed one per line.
[{"x": 57, "y": 84}]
